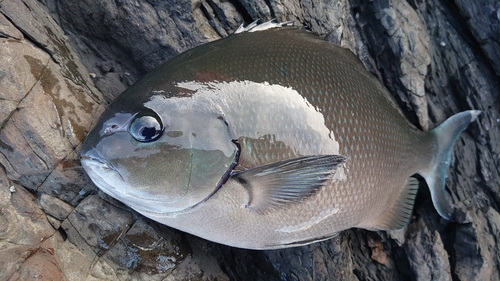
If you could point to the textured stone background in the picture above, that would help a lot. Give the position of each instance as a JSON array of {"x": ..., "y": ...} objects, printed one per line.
[{"x": 62, "y": 62}]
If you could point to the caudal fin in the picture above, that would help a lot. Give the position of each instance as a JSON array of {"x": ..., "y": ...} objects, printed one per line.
[{"x": 446, "y": 135}]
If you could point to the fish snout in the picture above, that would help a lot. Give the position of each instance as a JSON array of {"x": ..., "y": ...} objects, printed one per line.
[{"x": 92, "y": 156}]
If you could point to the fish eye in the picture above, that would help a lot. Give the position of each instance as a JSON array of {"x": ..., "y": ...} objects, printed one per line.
[{"x": 146, "y": 126}]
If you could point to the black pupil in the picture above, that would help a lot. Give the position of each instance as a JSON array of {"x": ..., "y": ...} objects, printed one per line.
[{"x": 148, "y": 132}]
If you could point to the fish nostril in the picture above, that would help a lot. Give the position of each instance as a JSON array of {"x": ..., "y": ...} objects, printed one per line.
[{"x": 110, "y": 130}]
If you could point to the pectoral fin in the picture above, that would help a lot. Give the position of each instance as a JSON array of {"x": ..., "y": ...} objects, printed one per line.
[{"x": 277, "y": 184}]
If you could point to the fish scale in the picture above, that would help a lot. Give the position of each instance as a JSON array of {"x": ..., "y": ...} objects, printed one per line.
[
  {"x": 265, "y": 140},
  {"x": 344, "y": 86},
  {"x": 342, "y": 105}
]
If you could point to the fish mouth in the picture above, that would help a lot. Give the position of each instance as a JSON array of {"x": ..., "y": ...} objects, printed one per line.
[
  {"x": 99, "y": 170},
  {"x": 93, "y": 157}
]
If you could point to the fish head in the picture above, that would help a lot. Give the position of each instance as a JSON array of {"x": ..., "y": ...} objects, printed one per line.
[{"x": 164, "y": 154}]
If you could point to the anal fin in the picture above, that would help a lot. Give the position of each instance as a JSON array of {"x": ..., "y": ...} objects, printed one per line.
[
  {"x": 305, "y": 242},
  {"x": 398, "y": 215}
]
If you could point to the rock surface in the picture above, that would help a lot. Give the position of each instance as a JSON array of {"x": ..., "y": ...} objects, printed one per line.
[{"x": 61, "y": 62}]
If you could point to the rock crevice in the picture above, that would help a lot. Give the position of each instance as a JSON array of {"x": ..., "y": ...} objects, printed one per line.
[{"x": 62, "y": 62}]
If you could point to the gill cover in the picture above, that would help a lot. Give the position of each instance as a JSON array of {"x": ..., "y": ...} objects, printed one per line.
[{"x": 167, "y": 156}]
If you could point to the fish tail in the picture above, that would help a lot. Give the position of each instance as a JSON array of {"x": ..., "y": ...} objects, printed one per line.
[{"x": 445, "y": 136}]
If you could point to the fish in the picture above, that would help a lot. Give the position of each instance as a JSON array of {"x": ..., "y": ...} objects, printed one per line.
[{"x": 266, "y": 140}]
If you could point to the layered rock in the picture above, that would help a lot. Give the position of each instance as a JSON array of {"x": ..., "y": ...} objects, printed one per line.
[{"x": 62, "y": 62}]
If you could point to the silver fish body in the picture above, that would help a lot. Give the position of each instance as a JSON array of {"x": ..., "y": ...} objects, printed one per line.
[{"x": 266, "y": 140}]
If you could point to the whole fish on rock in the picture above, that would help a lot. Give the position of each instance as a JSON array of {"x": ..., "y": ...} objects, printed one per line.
[{"x": 266, "y": 140}]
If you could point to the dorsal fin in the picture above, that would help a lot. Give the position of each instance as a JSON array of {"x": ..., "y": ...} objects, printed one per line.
[{"x": 252, "y": 27}]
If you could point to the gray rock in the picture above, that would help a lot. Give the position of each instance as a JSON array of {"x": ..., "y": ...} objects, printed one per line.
[
  {"x": 474, "y": 260},
  {"x": 482, "y": 18},
  {"x": 147, "y": 251},
  {"x": 55, "y": 207},
  {"x": 27, "y": 240},
  {"x": 109, "y": 32},
  {"x": 33, "y": 146},
  {"x": 33, "y": 20},
  {"x": 8, "y": 30},
  {"x": 427, "y": 263},
  {"x": 99, "y": 224},
  {"x": 396, "y": 33},
  {"x": 54, "y": 222},
  {"x": 437, "y": 58},
  {"x": 67, "y": 181}
]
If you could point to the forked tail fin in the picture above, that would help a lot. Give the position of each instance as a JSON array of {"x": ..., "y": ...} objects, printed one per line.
[{"x": 446, "y": 135}]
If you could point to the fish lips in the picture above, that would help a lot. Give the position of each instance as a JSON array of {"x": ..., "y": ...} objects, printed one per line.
[
  {"x": 100, "y": 171},
  {"x": 105, "y": 176},
  {"x": 91, "y": 157}
]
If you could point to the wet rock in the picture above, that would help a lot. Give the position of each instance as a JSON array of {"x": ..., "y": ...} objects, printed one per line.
[
  {"x": 165, "y": 29},
  {"x": 144, "y": 250},
  {"x": 474, "y": 260},
  {"x": 111, "y": 84},
  {"x": 436, "y": 57},
  {"x": 54, "y": 222},
  {"x": 395, "y": 33},
  {"x": 427, "y": 263},
  {"x": 226, "y": 11},
  {"x": 13, "y": 89},
  {"x": 483, "y": 20},
  {"x": 46, "y": 106},
  {"x": 33, "y": 20},
  {"x": 8, "y": 30},
  {"x": 33, "y": 146},
  {"x": 77, "y": 266},
  {"x": 55, "y": 207},
  {"x": 112, "y": 247},
  {"x": 67, "y": 181},
  {"x": 98, "y": 223},
  {"x": 27, "y": 240}
]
